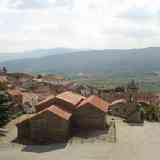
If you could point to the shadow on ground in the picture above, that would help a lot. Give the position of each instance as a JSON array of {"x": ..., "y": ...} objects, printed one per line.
[
  {"x": 90, "y": 133},
  {"x": 136, "y": 124},
  {"x": 39, "y": 148},
  {"x": 43, "y": 148}
]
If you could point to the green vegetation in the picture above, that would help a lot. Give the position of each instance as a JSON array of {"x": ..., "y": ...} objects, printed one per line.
[
  {"x": 4, "y": 108},
  {"x": 3, "y": 85},
  {"x": 148, "y": 82},
  {"x": 152, "y": 112}
]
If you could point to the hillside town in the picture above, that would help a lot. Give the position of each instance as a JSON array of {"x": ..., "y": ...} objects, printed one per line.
[{"x": 57, "y": 109}]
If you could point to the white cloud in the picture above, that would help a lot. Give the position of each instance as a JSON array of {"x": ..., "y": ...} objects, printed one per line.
[{"x": 29, "y": 24}]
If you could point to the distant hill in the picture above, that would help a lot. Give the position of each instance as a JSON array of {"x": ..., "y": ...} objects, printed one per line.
[
  {"x": 92, "y": 61},
  {"x": 37, "y": 53}
]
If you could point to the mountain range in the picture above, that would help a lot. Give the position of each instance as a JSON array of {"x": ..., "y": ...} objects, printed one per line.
[
  {"x": 65, "y": 60},
  {"x": 37, "y": 53}
]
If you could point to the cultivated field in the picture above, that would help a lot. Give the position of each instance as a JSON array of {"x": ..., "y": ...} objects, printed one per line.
[{"x": 133, "y": 143}]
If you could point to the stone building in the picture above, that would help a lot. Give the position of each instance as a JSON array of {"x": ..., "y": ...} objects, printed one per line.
[
  {"x": 131, "y": 112},
  {"x": 58, "y": 115},
  {"x": 68, "y": 100},
  {"x": 137, "y": 115},
  {"x": 19, "y": 79},
  {"x": 45, "y": 103},
  {"x": 17, "y": 101},
  {"x": 48, "y": 126},
  {"x": 30, "y": 100},
  {"x": 90, "y": 114},
  {"x": 55, "y": 79},
  {"x": 16, "y": 96},
  {"x": 118, "y": 108}
]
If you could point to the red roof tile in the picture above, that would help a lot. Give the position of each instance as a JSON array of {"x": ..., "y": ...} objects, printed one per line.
[
  {"x": 45, "y": 103},
  {"x": 53, "y": 109},
  {"x": 60, "y": 112},
  {"x": 70, "y": 97},
  {"x": 47, "y": 99},
  {"x": 14, "y": 92},
  {"x": 95, "y": 101}
]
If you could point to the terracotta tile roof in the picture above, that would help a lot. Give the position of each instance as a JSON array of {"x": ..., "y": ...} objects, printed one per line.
[
  {"x": 70, "y": 97},
  {"x": 14, "y": 92},
  {"x": 51, "y": 97},
  {"x": 22, "y": 119},
  {"x": 3, "y": 79},
  {"x": 60, "y": 112},
  {"x": 53, "y": 109},
  {"x": 45, "y": 103},
  {"x": 95, "y": 101}
]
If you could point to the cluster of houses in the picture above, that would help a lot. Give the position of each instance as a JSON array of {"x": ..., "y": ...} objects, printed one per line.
[
  {"x": 58, "y": 117},
  {"x": 58, "y": 107}
]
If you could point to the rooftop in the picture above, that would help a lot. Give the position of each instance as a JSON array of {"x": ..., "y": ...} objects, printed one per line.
[
  {"x": 70, "y": 97},
  {"x": 60, "y": 112},
  {"x": 45, "y": 103},
  {"x": 95, "y": 101},
  {"x": 53, "y": 109},
  {"x": 49, "y": 98},
  {"x": 14, "y": 92}
]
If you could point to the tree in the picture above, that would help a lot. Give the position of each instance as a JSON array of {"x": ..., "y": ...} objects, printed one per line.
[
  {"x": 39, "y": 76},
  {"x": 4, "y": 69},
  {"x": 4, "y": 108}
]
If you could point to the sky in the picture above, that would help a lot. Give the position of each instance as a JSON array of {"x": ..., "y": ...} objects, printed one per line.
[{"x": 98, "y": 24}]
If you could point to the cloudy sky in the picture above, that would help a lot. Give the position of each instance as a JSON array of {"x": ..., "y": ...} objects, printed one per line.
[{"x": 31, "y": 24}]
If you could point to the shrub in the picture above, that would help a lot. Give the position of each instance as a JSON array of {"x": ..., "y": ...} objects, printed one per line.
[
  {"x": 3, "y": 85},
  {"x": 4, "y": 107}
]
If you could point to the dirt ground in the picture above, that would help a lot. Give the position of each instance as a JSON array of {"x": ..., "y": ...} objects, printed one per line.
[{"x": 133, "y": 143}]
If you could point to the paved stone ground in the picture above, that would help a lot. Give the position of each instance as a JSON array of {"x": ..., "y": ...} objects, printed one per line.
[{"x": 133, "y": 143}]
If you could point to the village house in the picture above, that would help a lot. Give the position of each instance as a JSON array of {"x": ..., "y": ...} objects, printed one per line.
[
  {"x": 91, "y": 114},
  {"x": 30, "y": 100},
  {"x": 118, "y": 108},
  {"x": 17, "y": 101},
  {"x": 137, "y": 115},
  {"x": 45, "y": 103},
  {"x": 68, "y": 100},
  {"x": 40, "y": 87},
  {"x": 83, "y": 90},
  {"x": 54, "y": 79},
  {"x": 19, "y": 79},
  {"x": 57, "y": 116},
  {"x": 149, "y": 98},
  {"x": 131, "y": 112},
  {"x": 16, "y": 96},
  {"x": 48, "y": 126},
  {"x": 47, "y": 88}
]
